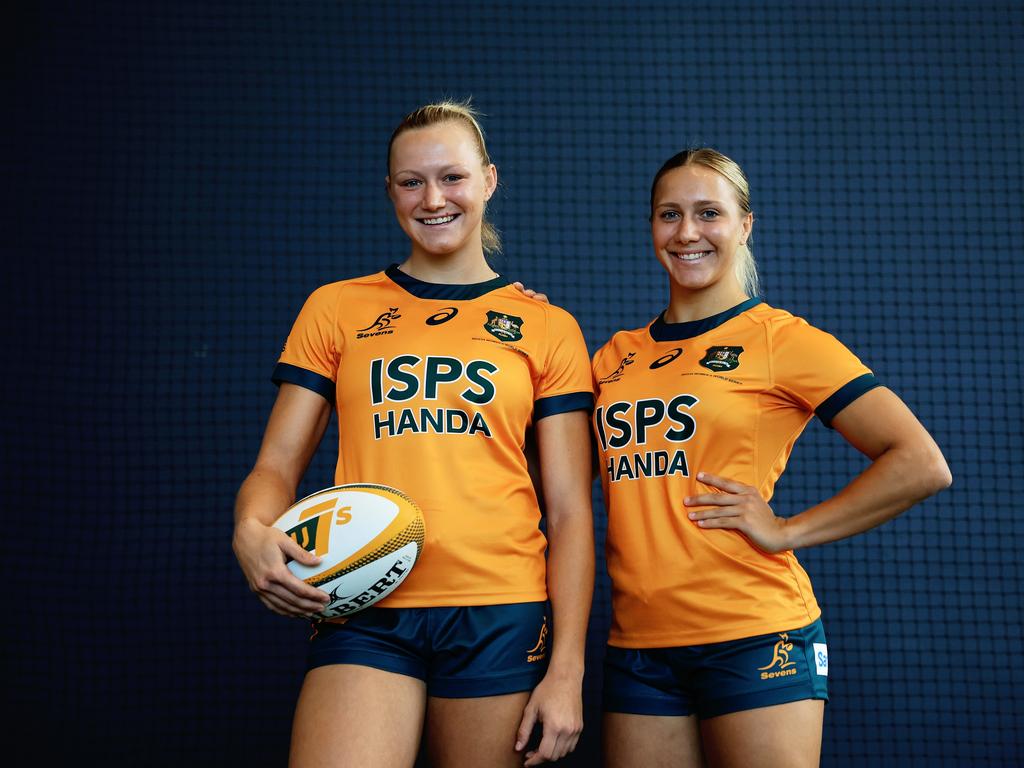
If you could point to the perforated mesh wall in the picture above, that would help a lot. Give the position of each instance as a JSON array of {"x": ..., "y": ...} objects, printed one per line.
[{"x": 179, "y": 176}]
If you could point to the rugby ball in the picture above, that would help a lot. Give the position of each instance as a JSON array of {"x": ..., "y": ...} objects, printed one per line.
[{"x": 368, "y": 538}]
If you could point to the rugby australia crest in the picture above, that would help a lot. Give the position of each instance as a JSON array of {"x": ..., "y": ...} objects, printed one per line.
[
  {"x": 504, "y": 327},
  {"x": 722, "y": 358}
]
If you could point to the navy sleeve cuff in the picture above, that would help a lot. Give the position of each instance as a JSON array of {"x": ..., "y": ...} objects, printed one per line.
[
  {"x": 574, "y": 401},
  {"x": 845, "y": 395},
  {"x": 292, "y": 374}
]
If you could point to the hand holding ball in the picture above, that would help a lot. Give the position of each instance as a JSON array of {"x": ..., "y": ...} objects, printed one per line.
[{"x": 368, "y": 538}]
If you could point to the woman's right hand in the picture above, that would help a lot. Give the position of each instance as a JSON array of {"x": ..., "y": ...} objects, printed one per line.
[
  {"x": 530, "y": 293},
  {"x": 263, "y": 552},
  {"x": 296, "y": 426}
]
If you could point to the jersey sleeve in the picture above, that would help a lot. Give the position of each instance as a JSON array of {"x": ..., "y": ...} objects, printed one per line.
[
  {"x": 816, "y": 370},
  {"x": 312, "y": 352},
  {"x": 565, "y": 383}
]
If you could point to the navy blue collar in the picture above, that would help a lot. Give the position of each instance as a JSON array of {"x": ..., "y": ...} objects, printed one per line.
[
  {"x": 446, "y": 291},
  {"x": 662, "y": 331}
]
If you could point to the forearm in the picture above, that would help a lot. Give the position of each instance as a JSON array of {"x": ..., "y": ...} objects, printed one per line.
[
  {"x": 896, "y": 480},
  {"x": 564, "y": 443},
  {"x": 294, "y": 430},
  {"x": 263, "y": 496},
  {"x": 570, "y": 588}
]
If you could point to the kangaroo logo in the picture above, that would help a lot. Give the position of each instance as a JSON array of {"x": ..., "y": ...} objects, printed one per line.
[
  {"x": 781, "y": 655},
  {"x": 381, "y": 326},
  {"x": 780, "y": 664},
  {"x": 618, "y": 372},
  {"x": 383, "y": 320},
  {"x": 540, "y": 650}
]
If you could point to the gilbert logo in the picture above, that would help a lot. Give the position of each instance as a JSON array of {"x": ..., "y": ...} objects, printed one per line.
[
  {"x": 618, "y": 372},
  {"x": 540, "y": 650},
  {"x": 780, "y": 665},
  {"x": 381, "y": 326}
]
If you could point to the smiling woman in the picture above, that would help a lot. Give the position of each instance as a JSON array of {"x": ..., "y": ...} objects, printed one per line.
[
  {"x": 438, "y": 172},
  {"x": 717, "y": 651},
  {"x": 701, "y": 218},
  {"x": 436, "y": 367}
]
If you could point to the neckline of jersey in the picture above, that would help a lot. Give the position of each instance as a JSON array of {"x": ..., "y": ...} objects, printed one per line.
[
  {"x": 446, "y": 291},
  {"x": 662, "y": 331}
]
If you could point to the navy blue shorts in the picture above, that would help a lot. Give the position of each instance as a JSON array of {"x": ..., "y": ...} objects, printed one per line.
[
  {"x": 460, "y": 652},
  {"x": 718, "y": 678}
]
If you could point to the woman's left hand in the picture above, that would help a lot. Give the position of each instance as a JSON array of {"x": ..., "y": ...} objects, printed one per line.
[
  {"x": 557, "y": 704},
  {"x": 739, "y": 507}
]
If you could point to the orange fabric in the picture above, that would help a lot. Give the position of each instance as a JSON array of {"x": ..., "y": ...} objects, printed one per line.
[
  {"x": 439, "y": 410},
  {"x": 661, "y": 418}
]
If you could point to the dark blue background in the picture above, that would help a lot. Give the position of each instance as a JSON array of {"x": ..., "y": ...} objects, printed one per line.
[{"x": 179, "y": 176}]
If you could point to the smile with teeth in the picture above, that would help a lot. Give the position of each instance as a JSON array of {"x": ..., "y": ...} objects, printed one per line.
[
  {"x": 439, "y": 220},
  {"x": 696, "y": 255}
]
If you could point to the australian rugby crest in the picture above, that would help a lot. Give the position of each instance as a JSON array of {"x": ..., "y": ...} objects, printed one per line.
[
  {"x": 504, "y": 327},
  {"x": 722, "y": 358}
]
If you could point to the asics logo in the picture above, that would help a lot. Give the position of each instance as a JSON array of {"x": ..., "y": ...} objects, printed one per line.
[
  {"x": 666, "y": 359},
  {"x": 442, "y": 316}
]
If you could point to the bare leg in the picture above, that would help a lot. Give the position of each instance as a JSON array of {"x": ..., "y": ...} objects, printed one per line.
[
  {"x": 781, "y": 736},
  {"x": 349, "y": 716},
  {"x": 470, "y": 733},
  {"x": 647, "y": 741}
]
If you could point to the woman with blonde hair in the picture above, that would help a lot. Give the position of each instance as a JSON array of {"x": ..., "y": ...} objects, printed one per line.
[
  {"x": 717, "y": 650},
  {"x": 436, "y": 367}
]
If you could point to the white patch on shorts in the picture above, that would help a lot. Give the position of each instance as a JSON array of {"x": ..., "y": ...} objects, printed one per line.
[{"x": 821, "y": 658}]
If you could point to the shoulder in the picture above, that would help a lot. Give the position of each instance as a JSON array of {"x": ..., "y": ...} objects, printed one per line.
[
  {"x": 625, "y": 339},
  {"x": 332, "y": 294},
  {"x": 550, "y": 315},
  {"x": 772, "y": 317},
  {"x": 508, "y": 294},
  {"x": 356, "y": 284},
  {"x": 796, "y": 344},
  {"x": 782, "y": 324}
]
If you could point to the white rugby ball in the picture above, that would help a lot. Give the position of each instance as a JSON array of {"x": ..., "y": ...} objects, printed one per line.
[{"x": 368, "y": 538}]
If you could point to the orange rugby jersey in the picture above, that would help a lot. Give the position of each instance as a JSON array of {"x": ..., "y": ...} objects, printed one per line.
[
  {"x": 434, "y": 387},
  {"x": 728, "y": 395}
]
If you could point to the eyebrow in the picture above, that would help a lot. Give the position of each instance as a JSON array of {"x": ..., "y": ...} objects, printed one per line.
[
  {"x": 697, "y": 204},
  {"x": 442, "y": 169}
]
